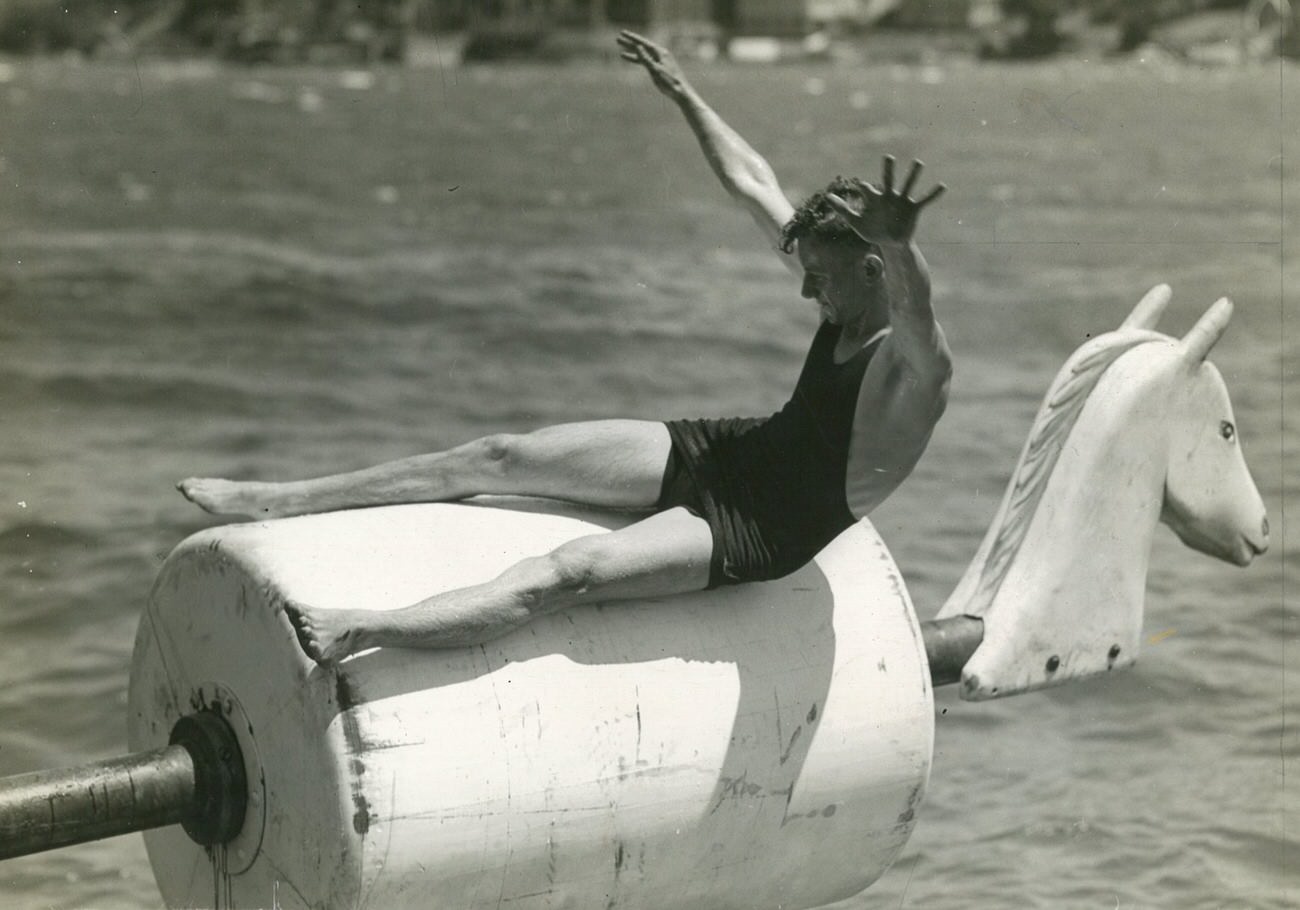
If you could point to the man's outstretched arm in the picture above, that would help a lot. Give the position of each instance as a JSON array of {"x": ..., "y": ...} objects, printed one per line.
[
  {"x": 743, "y": 172},
  {"x": 895, "y": 416},
  {"x": 888, "y": 223}
]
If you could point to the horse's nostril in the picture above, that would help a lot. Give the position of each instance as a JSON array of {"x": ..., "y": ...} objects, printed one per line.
[{"x": 1264, "y": 526}]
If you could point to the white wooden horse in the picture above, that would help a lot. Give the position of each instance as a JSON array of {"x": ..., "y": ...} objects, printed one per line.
[{"x": 1136, "y": 428}]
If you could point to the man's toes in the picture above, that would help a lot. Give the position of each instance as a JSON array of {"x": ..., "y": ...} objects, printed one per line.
[
  {"x": 318, "y": 644},
  {"x": 201, "y": 494},
  {"x": 332, "y": 654},
  {"x": 312, "y": 648},
  {"x": 301, "y": 629}
]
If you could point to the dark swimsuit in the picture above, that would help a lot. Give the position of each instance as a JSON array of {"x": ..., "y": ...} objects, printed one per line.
[{"x": 772, "y": 488}]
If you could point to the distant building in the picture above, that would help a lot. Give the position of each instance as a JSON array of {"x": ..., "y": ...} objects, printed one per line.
[
  {"x": 737, "y": 17},
  {"x": 780, "y": 18},
  {"x": 930, "y": 13}
]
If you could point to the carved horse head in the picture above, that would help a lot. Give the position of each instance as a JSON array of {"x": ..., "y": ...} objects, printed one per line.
[
  {"x": 1136, "y": 428},
  {"x": 1210, "y": 501}
]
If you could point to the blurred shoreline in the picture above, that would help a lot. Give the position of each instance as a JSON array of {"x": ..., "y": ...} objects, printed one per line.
[{"x": 1211, "y": 37}]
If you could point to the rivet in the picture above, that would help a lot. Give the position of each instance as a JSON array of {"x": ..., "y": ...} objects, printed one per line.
[{"x": 1053, "y": 664}]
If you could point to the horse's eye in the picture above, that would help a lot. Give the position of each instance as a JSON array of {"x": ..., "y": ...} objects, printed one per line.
[{"x": 1227, "y": 430}]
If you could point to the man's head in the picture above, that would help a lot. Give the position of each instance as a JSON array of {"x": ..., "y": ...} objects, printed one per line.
[
  {"x": 841, "y": 270},
  {"x": 816, "y": 217}
]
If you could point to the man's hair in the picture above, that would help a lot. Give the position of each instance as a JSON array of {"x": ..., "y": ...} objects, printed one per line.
[{"x": 816, "y": 218}]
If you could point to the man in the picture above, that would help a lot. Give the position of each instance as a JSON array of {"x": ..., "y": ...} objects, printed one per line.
[{"x": 734, "y": 500}]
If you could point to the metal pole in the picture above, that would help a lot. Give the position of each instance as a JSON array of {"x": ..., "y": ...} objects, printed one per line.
[
  {"x": 949, "y": 643},
  {"x": 48, "y": 809},
  {"x": 197, "y": 781}
]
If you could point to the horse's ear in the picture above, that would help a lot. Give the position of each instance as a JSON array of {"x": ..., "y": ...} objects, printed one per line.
[
  {"x": 1149, "y": 309},
  {"x": 1197, "y": 342}
]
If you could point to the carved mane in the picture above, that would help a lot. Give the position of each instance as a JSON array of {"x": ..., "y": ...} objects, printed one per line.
[{"x": 1057, "y": 417}]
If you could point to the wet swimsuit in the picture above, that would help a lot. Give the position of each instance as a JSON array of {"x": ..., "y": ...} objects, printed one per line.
[{"x": 772, "y": 488}]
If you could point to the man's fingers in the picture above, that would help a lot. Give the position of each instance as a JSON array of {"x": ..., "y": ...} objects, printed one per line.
[
  {"x": 911, "y": 178},
  {"x": 837, "y": 203},
  {"x": 638, "y": 43},
  {"x": 887, "y": 177},
  {"x": 638, "y": 55},
  {"x": 840, "y": 205},
  {"x": 934, "y": 194}
]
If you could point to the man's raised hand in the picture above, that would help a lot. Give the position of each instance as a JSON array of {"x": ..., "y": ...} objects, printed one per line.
[
  {"x": 888, "y": 213},
  {"x": 658, "y": 61}
]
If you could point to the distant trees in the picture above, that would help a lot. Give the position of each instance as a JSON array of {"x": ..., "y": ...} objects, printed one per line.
[
  {"x": 275, "y": 29},
  {"x": 366, "y": 30},
  {"x": 1034, "y": 28}
]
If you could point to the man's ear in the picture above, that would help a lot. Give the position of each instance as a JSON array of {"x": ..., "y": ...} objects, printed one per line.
[{"x": 873, "y": 265}]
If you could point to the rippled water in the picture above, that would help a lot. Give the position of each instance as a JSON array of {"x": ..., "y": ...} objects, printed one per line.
[{"x": 270, "y": 274}]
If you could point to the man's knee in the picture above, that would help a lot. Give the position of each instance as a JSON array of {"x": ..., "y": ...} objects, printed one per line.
[
  {"x": 564, "y": 575},
  {"x": 497, "y": 455}
]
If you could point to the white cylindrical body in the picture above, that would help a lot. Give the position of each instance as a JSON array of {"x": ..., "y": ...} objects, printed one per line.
[{"x": 757, "y": 746}]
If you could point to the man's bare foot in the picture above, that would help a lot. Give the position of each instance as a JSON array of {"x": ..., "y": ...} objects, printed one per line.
[
  {"x": 232, "y": 497},
  {"x": 327, "y": 636}
]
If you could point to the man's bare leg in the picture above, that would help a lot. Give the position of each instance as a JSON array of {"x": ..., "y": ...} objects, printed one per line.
[
  {"x": 615, "y": 463},
  {"x": 667, "y": 553}
]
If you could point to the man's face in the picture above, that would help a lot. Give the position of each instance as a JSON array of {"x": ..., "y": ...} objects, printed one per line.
[{"x": 834, "y": 276}]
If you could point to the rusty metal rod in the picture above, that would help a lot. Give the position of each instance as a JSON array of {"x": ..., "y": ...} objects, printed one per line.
[
  {"x": 949, "y": 643},
  {"x": 48, "y": 809},
  {"x": 197, "y": 781}
]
